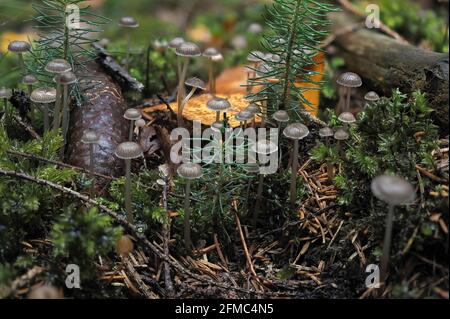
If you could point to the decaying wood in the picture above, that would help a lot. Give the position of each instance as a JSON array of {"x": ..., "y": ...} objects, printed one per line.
[
  {"x": 115, "y": 70},
  {"x": 389, "y": 64}
]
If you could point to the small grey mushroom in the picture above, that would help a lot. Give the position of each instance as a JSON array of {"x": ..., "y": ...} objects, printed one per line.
[
  {"x": 341, "y": 135},
  {"x": 349, "y": 80},
  {"x": 217, "y": 126},
  {"x": 139, "y": 124},
  {"x": 128, "y": 23},
  {"x": 212, "y": 54},
  {"x": 128, "y": 151},
  {"x": 295, "y": 132},
  {"x": 57, "y": 66},
  {"x": 5, "y": 94},
  {"x": 44, "y": 96},
  {"x": 175, "y": 42},
  {"x": 20, "y": 47},
  {"x": 327, "y": 133},
  {"x": 244, "y": 116},
  {"x": 186, "y": 51},
  {"x": 347, "y": 118},
  {"x": 91, "y": 138},
  {"x": 371, "y": 97},
  {"x": 281, "y": 116},
  {"x": 255, "y": 28},
  {"x": 218, "y": 105},
  {"x": 65, "y": 79},
  {"x": 264, "y": 148},
  {"x": 255, "y": 58},
  {"x": 195, "y": 84},
  {"x": 29, "y": 80},
  {"x": 132, "y": 115},
  {"x": 188, "y": 171},
  {"x": 394, "y": 191}
]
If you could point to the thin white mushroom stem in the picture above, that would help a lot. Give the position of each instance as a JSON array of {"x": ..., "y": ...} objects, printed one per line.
[
  {"x": 128, "y": 190},
  {"x": 92, "y": 168},
  {"x": 65, "y": 116},
  {"x": 347, "y": 104},
  {"x": 127, "y": 57},
  {"x": 263, "y": 113},
  {"x": 57, "y": 111},
  {"x": 211, "y": 76},
  {"x": 181, "y": 90},
  {"x": 22, "y": 63},
  {"x": 130, "y": 133},
  {"x": 46, "y": 119},
  {"x": 387, "y": 242},
  {"x": 186, "y": 100},
  {"x": 187, "y": 216},
  {"x": 293, "y": 191}
]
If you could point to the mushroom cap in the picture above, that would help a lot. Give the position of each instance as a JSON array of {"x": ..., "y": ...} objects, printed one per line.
[
  {"x": 132, "y": 114},
  {"x": 43, "y": 95},
  {"x": 210, "y": 52},
  {"x": 264, "y": 70},
  {"x": 239, "y": 42},
  {"x": 281, "y": 116},
  {"x": 128, "y": 22},
  {"x": 218, "y": 104},
  {"x": 326, "y": 132},
  {"x": 393, "y": 190},
  {"x": 264, "y": 147},
  {"x": 296, "y": 131},
  {"x": 217, "y": 126},
  {"x": 58, "y": 66},
  {"x": 175, "y": 42},
  {"x": 164, "y": 169},
  {"x": 188, "y": 49},
  {"x": 190, "y": 170},
  {"x": 244, "y": 115},
  {"x": 66, "y": 78},
  {"x": 279, "y": 41},
  {"x": 251, "y": 168},
  {"x": 256, "y": 56},
  {"x": 196, "y": 83},
  {"x": 253, "y": 108},
  {"x": 371, "y": 96},
  {"x": 341, "y": 135},
  {"x": 5, "y": 93},
  {"x": 255, "y": 28},
  {"x": 29, "y": 79},
  {"x": 104, "y": 42},
  {"x": 347, "y": 117},
  {"x": 124, "y": 245},
  {"x": 349, "y": 79},
  {"x": 128, "y": 150},
  {"x": 90, "y": 137},
  {"x": 19, "y": 46},
  {"x": 140, "y": 123},
  {"x": 273, "y": 57}
]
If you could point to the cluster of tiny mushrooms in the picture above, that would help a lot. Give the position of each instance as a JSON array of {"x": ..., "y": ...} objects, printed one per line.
[{"x": 392, "y": 190}]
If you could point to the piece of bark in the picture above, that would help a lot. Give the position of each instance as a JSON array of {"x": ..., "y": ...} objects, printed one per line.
[
  {"x": 116, "y": 71},
  {"x": 389, "y": 64}
]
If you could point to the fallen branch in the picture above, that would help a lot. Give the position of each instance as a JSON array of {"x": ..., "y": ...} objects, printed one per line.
[
  {"x": 58, "y": 163},
  {"x": 27, "y": 127}
]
